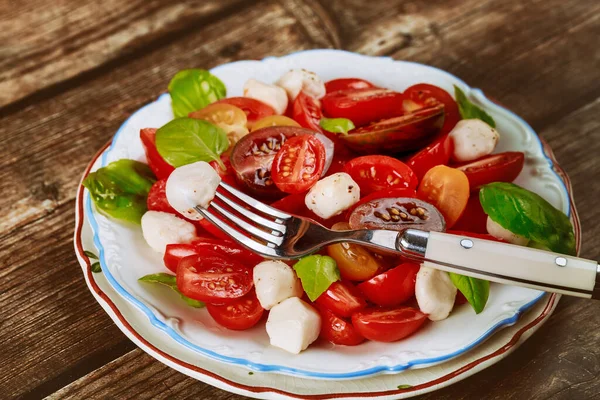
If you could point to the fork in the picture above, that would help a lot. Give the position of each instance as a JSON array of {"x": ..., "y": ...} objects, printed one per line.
[{"x": 278, "y": 235}]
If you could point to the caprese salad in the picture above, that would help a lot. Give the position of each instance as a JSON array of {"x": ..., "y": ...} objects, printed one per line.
[{"x": 347, "y": 153}]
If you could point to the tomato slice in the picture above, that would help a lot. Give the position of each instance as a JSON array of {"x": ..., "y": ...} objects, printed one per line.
[
  {"x": 502, "y": 167},
  {"x": 383, "y": 194},
  {"x": 437, "y": 153},
  {"x": 274, "y": 120},
  {"x": 299, "y": 164},
  {"x": 448, "y": 190},
  {"x": 392, "y": 287},
  {"x": 254, "y": 109},
  {"x": 388, "y": 324},
  {"x": 213, "y": 278},
  {"x": 176, "y": 252},
  {"x": 210, "y": 228},
  {"x": 375, "y": 173},
  {"x": 363, "y": 105},
  {"x": 337, "y": 330},
  {"x": 473, "y": 219},
  {"x": 157, "y": 198},
  {"x": 238, "y": 315},
  {"x": 336, "y": 85},
  {"x": 307, "y": 112},
  {"x": 342, "y": 298},
  {"x": 157, "y": 164},
  {"x": 227, "y": 117},
  {"x": 427, "y": 95}
]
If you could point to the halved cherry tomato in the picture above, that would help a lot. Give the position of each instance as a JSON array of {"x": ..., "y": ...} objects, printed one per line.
[
  {"x": 176, "y": 252},
  {"x": 448, "y": 190},
  {"x": 375, "y": 173},
  {"x": 347, "y": 83},
  {"x": 238, "y": 315},
  {"x": 383, "y": 194},
  {"x": 437, "y": 153},
  {"x": 274, "y": 120},
  {"x": 213, "y": 278},
  {"x": 295, "y": 204},
  {"x": 362, "y": 106},
  {"x": 342, "y": 298},
  {"x": 307, "y": 112},
  {"x": 388, "y": 325},
  {"x": 227, "y": 117},
  {"x": 392, "y": 287},
  {"x": 473, "y": 219},
  {"x": 157, "y": 164},
  {"x": 157, "y": 198},
  {"x": 299, "y": 164},
  {"x": 254, "y": 109},
  {"x": 337, "y": 330},
  {"x": 502, "y": 167},
  {"x": 427, "y": 95},
  {"x": 209, "y": 227}
]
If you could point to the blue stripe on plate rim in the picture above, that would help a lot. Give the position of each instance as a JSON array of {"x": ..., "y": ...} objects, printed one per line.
[{"x": 294, "y": 371}]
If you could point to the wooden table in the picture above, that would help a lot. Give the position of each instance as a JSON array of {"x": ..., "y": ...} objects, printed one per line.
[{"x": 72, "y": 71}]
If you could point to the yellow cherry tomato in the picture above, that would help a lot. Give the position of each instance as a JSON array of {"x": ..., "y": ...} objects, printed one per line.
[
  {"x": 274, "y": 120},
  {"x": 230, "y": 118}
]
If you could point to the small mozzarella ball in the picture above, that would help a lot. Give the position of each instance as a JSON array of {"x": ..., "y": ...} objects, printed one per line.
[
  {"x": 332, "y": 195},
  {"x": 192, "y": 185},
  {"x": 293, "y": 325},
  {"x": 297, "y": 80},
  {"x": 473, "y": 139},
  {"x": 435, "y": 293},
  {"x": 271, "y": 95},
  {"x": 275, "y": 282},
  {"x": 161, "y": 228},
  {"x": 497, "y": 231}
]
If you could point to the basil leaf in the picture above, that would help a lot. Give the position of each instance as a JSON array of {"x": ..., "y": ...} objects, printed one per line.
[
  {"x": 96, "y": 267},
  {"x": 316, "y": 273},
  {"x": 170, "y": 281},
  {"x": 187, "y": 140},
  {"x": 476, "y": 291},
  {"x": 337, "y": 125},
  {"x": 193, "y": 89},
  {"x": 121, "y": 188},
  {"x": 527, "y": 214},
  {"x": 469, "y": 110}
]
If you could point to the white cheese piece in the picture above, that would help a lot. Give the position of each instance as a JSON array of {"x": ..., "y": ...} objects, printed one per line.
[
  {"x": 161, "y": 228},
  {"x": 293, "y": 325},
  {"x": 275, "y": 281},
  {"x": 497, "y": 231},
  {"x": 271, "y": 95},
  {"x": 473, "y": 139},
  {"x": 332, "y": 195},
  {"x": 297, "y": 80},
  {"x": 435, "y": 293},
  {"x": 192, "y": 185}
]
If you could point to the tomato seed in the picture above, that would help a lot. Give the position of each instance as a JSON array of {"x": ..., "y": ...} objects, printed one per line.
[
  {"x": 286, "y": 174},
  {"x": 211, "y": 286}
]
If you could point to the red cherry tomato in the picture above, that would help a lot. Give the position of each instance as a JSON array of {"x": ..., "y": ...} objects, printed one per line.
[
  {"x": 299, "y": 164},
  {"x": 157, "y": 164},
  {"x": 342, "y": 298},
  {"x": 392, "y": 287},
  {"x": 437, "y": 153},
  {"x": 383, "y": 194},
  {"x": 238, "y": 315},
  {"x": 362, "y": 106},
  {"x": 213, "y": 278},
  {"x": 388, "y": 324},
  {"x": 307, "y": 112},
  {"x": 295, "y": 204},
  {"x": 176, "y": 252},
  {"x": 375, "y": 173},
  {"x": 473, "y": 219},
  {"x": 336, "y": 85},
  {"x": 254, "y": 109},
  {"x": 502, "y": 167},
  {"x": 210, "y": 228},
  {"x": 157, "y": 198},
  {"x": 426, "y": 95},
  {"x": 337, "y": 330}
]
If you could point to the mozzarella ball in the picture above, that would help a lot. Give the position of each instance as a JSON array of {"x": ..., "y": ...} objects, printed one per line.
[
  {"x": 332, "y": 195},
  {"x": 161, "y": 228},
  {"x": 435, "y": 293},
  {"x": 473, "y": 139},
  {"x": 293, "y": 325},
  {"x": 497, "y": 231},
  {"x": 275, "y": 282},
  {"x": 192, "y": 185},
  {"x": 297, "y": 80},
  {"x": 271, "y": 95}
]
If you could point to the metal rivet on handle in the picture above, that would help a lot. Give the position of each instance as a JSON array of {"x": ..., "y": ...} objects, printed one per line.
[
  {"x": 466, "y": 243},
  {"x": 561, "y": 261}
]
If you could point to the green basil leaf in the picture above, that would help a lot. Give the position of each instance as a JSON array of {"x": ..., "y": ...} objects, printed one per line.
[
  {"x": 170, "y": 281},
  {"x": 96, "y": 267},
  {"x": 316, "y": 273},
  {"x": 337, "y": 125},
  {"x": 476, "y": 291},
  {"x": 193, "y": 89},
  {"x": 469, "y": 110},
  {"x": 527, "y": 214},
  {"x": 121, "y": 188},
  {"x": 187, "y": 140},
  {"x": 89, "y": 254}
]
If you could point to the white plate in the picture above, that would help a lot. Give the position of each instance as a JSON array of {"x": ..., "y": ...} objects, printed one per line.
[{"x": 125, "y": 257}]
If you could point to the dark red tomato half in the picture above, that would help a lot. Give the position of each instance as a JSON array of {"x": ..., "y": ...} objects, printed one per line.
[
  {"x": 253, "y": 108},
  {"x": 473, "y": 219},
  {"x": 307, "y": 112},
  {"x": 426, "y": 95},
  {"x": 213, "y": 278},
  {"x": 502, "y": 167},
  {"x": 375, "y": 173},
  {"x": 342, "y": 298},
  {"x": 299, "y": 163},
  {"x": 437, "y": 153},
  {"x": 362, "y": 106},
  {"x": 392, "y": 287},
  {"x": 336, "y": 85},
  {"x": 157, "y": 198},
  {"x": 337, "y": 330},
  {"x": 238, "y": 315},
  {"x": 157, "y": 164},
  {"x": 383, "y": 194},
  {"x": 388, "y": 324}
]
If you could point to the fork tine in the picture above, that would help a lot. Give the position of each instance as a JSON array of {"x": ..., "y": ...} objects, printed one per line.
[
  {"x": 255, "y": 203},
  {"x": 250, "y": 215}
]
